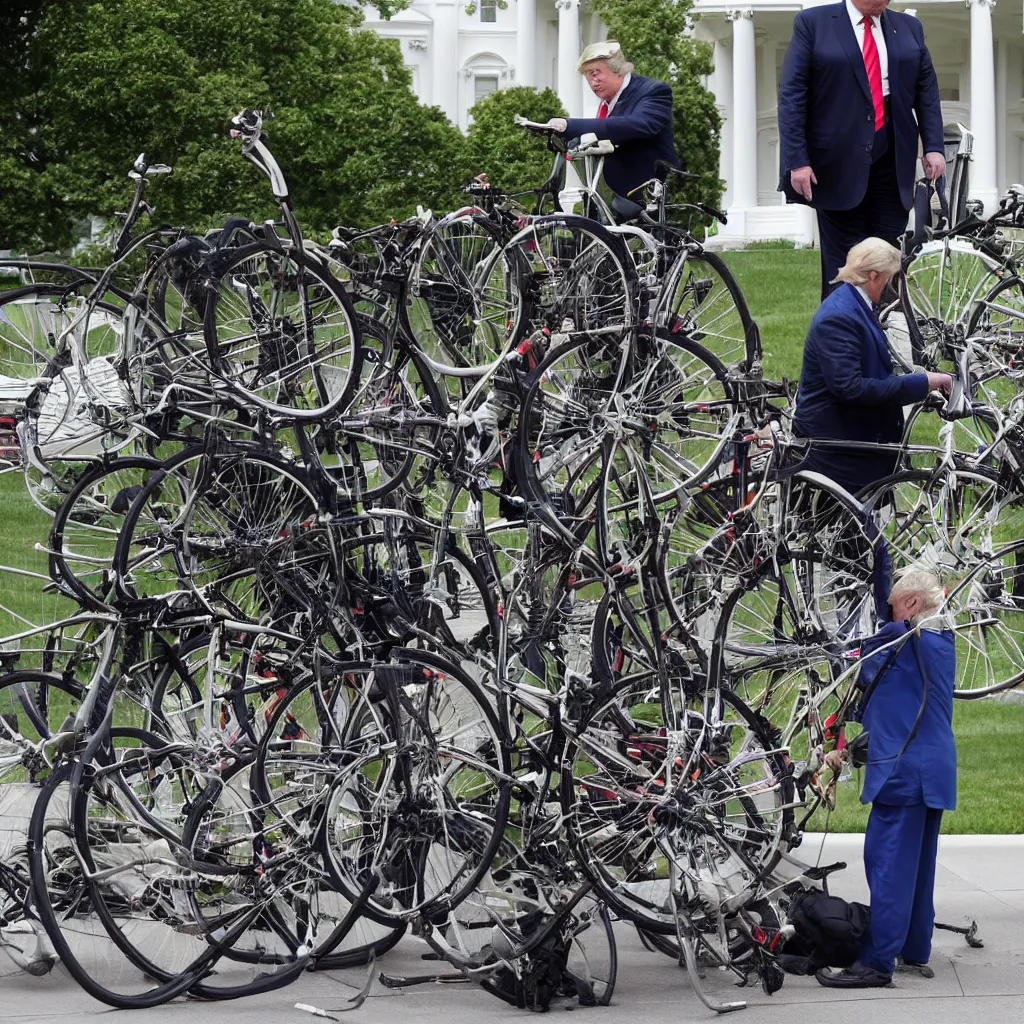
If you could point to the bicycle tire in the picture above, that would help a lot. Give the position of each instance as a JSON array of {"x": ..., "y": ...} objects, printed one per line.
[
  {"x": 703, "y": 302},
  {"x": 94, "y": 976},
  {"x": 316, "y": 718},
  {"x": 85, "y": 529},
  {"x": 600, "y": 813},
  {"x": 265, "y": 349}
]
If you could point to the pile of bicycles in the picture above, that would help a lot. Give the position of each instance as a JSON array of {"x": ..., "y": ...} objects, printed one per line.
[{"x": 458, "y": 575}]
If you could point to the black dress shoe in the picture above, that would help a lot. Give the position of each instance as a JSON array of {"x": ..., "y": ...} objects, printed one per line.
[
  {"x": 857, "y": 976},
  {"x": 918, "y": 967}
]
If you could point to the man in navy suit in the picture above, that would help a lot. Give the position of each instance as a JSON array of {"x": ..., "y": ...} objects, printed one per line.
[
  {"x": 907, "y": 673},
  {"x": 635, "y": 113},
  {"x": 848, "y": 391},
  {"x": 852, "y": 105}
]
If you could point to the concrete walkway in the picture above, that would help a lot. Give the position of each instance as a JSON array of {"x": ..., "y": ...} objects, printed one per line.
[{"x": 979, "y": 877}]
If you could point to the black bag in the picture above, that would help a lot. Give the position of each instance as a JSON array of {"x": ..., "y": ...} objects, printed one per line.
[
  {"x": 542, "y": 971},
  {"x": 829, "y": 932}
]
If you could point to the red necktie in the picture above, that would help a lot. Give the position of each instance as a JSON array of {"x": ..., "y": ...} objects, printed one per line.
[
  {"x": 602, "y": 111},
  {"x": 873, "y": 66}
]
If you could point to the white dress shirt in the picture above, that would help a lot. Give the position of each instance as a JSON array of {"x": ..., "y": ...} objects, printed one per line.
[
  {"x": 876, "y": 30},
  {"x": 864, "y": 295},
  {"x": 615, "y": 98}
]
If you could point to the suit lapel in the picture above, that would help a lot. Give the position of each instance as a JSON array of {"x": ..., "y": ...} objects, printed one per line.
[
  {"x": 855, "y": 301},
  {"x": 881, "y": 344},
  {"x": 846, "y": 36},
  {"x": 625, "y": 101}
]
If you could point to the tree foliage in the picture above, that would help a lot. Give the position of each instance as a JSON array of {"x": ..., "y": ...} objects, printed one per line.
[
  {"x": 514, "y": 160},
  {"x": 90, "y": 84},
  {"x": 653, "y": 35}
]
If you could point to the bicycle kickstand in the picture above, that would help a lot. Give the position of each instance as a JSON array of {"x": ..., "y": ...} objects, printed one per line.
[{"x": 969, "y": 932}]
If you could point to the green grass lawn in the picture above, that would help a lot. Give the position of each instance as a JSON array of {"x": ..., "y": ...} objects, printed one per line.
[
  {"x": 782, "y": 289},
  {"x": 22, "y": 526}
]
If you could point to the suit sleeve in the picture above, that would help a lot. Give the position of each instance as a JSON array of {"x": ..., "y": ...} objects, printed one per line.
[
  {"x": 926, "y": 102},
  {"x": 651, "y": 116},
  {"x": 843, "y": 342},
  {"x": 796, "y": 73}
]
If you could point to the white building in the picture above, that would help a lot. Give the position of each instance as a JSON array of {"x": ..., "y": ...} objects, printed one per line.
[
  {"x": 457, "y": 58},
  {"x": 977, "y": 47}
]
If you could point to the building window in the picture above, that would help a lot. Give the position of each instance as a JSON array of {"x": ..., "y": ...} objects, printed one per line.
[
  {"x": 489, "y": 11},
  {"x": 949, "y": 87},
  {"x": 483, "y": 86}
]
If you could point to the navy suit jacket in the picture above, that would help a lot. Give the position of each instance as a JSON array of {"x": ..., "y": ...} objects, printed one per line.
[
  {"x": 848, "y": 391},
  {"x": 826, "y": 117},
  {"x": 641, "y": 126},
  {"x": 925, "y": 773}
]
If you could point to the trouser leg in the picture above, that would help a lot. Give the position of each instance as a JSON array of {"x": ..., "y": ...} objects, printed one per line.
[
  {"x": 838, "y": 232},
  {"x": 918, "y": 945},
  {"x": 885, "y": 216},
  {"x": 892, "y": 846}
]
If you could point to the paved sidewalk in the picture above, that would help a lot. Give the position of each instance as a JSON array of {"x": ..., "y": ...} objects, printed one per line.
[{"x": 979, "y": 877}]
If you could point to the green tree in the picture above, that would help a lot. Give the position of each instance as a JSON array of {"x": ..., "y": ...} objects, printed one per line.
[
  {"x": 653, "y": 35},
  {"x": 89, "y": 85},
  {"x": 513, "y": 159}
]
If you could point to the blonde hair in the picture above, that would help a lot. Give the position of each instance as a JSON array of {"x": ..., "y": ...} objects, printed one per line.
[
  {"x": 871, "y": 254},
  {"x": 617, "y": 64},
  {"x": 925, "y": 584}
]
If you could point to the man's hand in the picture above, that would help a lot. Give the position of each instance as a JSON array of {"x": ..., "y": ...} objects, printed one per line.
[
  {"x": 801, "y": 179},
  {"x": 940, "y": 382},
  {"x": 834, "y": 759},
  {"x": 934, "y": 165},
  {"x": 558, "y": 123}
]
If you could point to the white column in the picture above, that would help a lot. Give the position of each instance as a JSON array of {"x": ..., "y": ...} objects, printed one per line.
[
  {"x": 723, "y": 99},
  {"x": 526, "y": 47},
  {"x": 983, "y": 105},
  {"x": 1002, "y": 96},
  {"x": 744, "y": 110},
  {"x": 569, "y": 80},
  {"x": 444, "y": 58}
]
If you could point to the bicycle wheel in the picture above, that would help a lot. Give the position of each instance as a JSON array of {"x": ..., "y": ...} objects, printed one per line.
[
  {"x": 986, "y": 612},
  {"x": 33, "y": 319},
  {"x": 76, "y": 905},
  {"x": 87, "y": 525},
  {"x": 273, "y": 868},
  {"x": 238, "y": 674},
  {"x": 706, "y": 795},
  {"x": 464, "y": 290},
  {"x": 668, "y": 399},
  {"x": 999, "y": 317},
  {"x": 942, "y": 287},
  {"x": 385, "y": 451},
  {"x": 409, "y": 588},
  {"x": 34, "y": 706},
  {"x": 282, "y": 333},
  {"x": 952, "y": 518},
  {"x": 404, "y": 768},
  {"x": 217, "y": 908},
  {"x": 237, "y": 530},
  {"x": 574, "y": 275},
  {"x": 702, "y": 302},
  {"x": 821, "y": 595}
]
